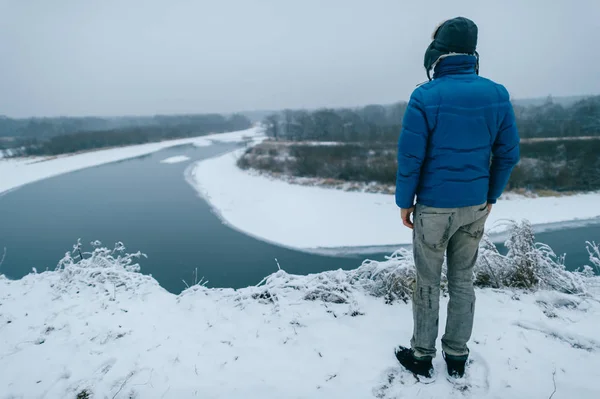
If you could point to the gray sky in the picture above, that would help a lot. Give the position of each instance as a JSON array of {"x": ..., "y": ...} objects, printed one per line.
[{"x": 105, "y": 57}]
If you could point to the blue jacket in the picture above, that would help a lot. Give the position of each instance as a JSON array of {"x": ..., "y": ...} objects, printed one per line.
[{"x": 453, "y": 127}]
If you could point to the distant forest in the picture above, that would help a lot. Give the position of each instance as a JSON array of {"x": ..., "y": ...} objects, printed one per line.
[
  {"x": 550, "y": 158},
  {"x": 52, "y": 136},
  {"x": 369, "y": 124},
  {"x": 557, "y": 165},
  {"x": 381, "y": 123}
]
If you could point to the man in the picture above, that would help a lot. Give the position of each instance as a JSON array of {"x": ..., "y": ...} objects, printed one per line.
[{"x": 458, "y": 146}]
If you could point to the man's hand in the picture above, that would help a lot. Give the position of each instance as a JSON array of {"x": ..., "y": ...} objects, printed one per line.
[
  {"x": 406, "y": 214},
  {"x": 489, "y": 206}
]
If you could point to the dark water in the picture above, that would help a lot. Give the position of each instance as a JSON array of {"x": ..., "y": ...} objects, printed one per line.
[
  {"x": 150, "y": 207},
  {"x": 571, "y": 242}
]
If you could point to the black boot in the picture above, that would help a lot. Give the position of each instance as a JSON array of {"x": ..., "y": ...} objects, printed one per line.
[
  {"x": 416, "y": 365},
  {"x": 456, "y": 365}
]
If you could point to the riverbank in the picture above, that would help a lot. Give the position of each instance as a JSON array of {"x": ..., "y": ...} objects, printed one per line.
[
  {"x": 98, "y": 328},
  {"x": 16, "y": 172},
  {"x": 103, "y": 330},
  {"x": 313, "y": 217}
]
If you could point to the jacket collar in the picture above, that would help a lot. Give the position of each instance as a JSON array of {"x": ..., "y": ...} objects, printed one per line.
[{"x": 456, "y": 64}]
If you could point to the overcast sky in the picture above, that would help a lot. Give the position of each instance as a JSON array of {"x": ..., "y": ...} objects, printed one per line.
[{"x": 104, "y": 57}]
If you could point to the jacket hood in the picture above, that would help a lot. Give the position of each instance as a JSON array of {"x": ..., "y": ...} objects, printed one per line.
[{"x": 457, "y": 35}]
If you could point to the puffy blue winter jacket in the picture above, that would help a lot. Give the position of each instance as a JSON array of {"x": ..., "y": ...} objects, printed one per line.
[{"x": 453, "y": 127}]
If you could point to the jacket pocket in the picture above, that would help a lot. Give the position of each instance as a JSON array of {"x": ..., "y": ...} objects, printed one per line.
[{"x": 433, "y": 229}]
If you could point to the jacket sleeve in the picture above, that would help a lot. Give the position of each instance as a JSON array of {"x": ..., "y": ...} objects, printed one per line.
[
  {"x": 505, "y": 151},
  {"x": 412, "y": 147}
]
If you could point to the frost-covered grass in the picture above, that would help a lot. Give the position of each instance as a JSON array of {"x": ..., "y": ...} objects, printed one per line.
[
  {"x": 594, "y": 251},
  {"x": 97, "y": 328}
]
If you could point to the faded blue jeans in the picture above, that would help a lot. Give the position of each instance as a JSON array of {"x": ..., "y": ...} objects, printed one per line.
[{"x": 457, "y": 231}]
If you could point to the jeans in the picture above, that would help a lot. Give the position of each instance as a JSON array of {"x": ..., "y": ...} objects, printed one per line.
[{"x": 457, "y": 231}]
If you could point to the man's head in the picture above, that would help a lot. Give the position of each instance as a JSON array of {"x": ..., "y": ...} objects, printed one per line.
[{"x": 457, "y": 35}]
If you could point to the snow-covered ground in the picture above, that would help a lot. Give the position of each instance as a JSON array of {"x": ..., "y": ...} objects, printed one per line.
[
  {"x": 105, "y": 332},
  {"x": 97, "y": 329},
  {"x": 314, "y": 217},
  {"x": 20, "y": 171},
  {"x": 545, "y": 139},
  {"x": 175, "y": 159}
]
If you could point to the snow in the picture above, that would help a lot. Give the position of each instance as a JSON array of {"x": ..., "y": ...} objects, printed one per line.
[
  {"x": 175, "y": 159},
  {"x": 546, "y": 139},
  {"x": 322, "y": 143},
  {"x": 101, "y": 327},
  {"x": 21, "y": 171},
  {"x": 311, "y": 143},
  {"x": 314, "y": 217},
  {"x": 6, "y": 153},
  {"x": 118, "y": 334}
]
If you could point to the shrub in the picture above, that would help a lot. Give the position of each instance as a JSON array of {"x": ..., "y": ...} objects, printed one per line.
[
  {"x": 85, "y": 394},
  {"x": 107, "y": 270},
  {"x": 350, "y": 162},
  {"x": 243, "y": 162},
  {"x": 528, "y": 265},
  {"x": 560, "y": 166},
  {"x": 594, "y": 251}
]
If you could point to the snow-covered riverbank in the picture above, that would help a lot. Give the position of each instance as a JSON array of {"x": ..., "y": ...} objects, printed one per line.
[
  {"x": 313, "y": 217},
  {"x": 99, "y": 331},
  {"x": 15, "y": 172}
]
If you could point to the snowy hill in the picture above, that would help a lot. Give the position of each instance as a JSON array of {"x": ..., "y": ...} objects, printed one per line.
[{"x": 100, "y": 329}]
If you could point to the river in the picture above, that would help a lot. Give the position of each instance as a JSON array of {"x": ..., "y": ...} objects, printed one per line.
[{"x": 150, "y": 207}]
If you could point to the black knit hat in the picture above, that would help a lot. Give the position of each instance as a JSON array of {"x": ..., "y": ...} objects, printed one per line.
[{"x": 457, "y": 35}]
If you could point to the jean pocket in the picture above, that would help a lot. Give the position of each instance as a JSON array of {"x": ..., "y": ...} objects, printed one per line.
[
  {"x": 477, "y": 228},
  {"x": 434, "y": 228}
]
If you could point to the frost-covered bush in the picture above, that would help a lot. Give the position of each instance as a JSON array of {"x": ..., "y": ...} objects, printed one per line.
[
  {"x": 331, "y": 286},
  {"x": 528, "y": 265},
  {"x": 393, "y": 279},
  {"x": 594, "y": 251},
  {"x": 106, "y": 269}
]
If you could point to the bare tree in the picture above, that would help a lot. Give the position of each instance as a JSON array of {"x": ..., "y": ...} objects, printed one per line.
[
  {"x": 288, "y": 116},
  {"x": 272, "y": 122}
]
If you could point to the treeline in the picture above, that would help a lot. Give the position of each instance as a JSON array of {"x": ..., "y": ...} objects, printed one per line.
[
  {"x": 44, "y": 128},
  {"x": 373, "y": 123},
  {"x": 162, "y": 128},
  {"x": 355, "y": 162},
  {"x": 569, "y": 165},
  {"x": 379, "y": 123},
  {"x": 561, "y": 166},
  {"x": 553, "y": 119}
]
